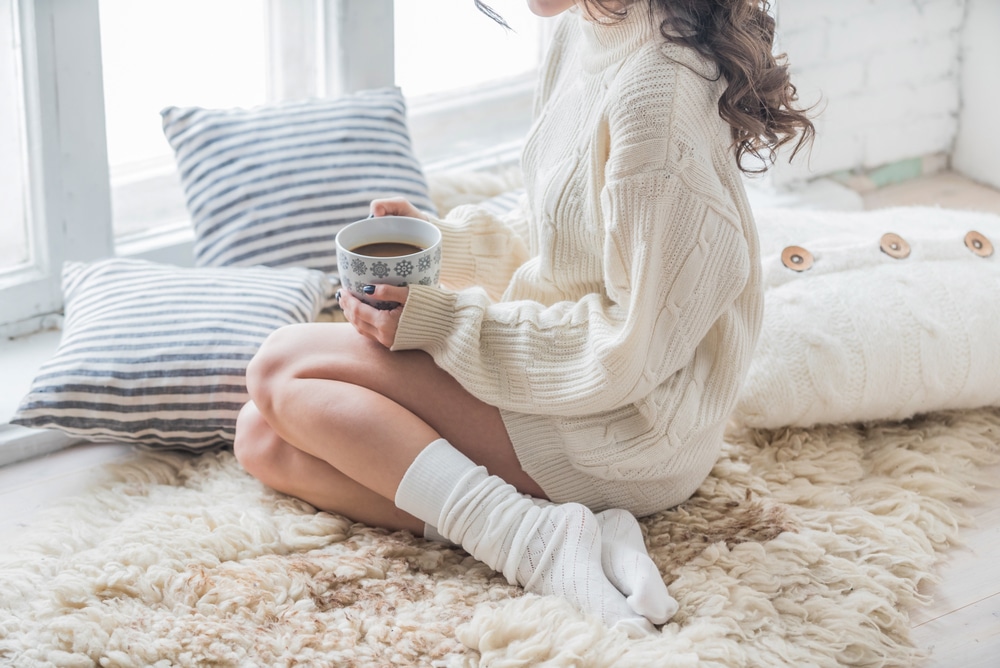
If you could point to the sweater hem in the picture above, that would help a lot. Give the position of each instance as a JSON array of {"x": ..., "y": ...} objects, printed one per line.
[{"x": 543, "y": 457}]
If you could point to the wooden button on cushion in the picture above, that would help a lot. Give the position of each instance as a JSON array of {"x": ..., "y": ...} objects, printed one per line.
[
  {"x": 796, "y": 258},
  {"x": 978, "y": 244},
  {"x": 894, "y": 245}
]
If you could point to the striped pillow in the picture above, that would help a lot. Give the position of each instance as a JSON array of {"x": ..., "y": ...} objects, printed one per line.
[
  {"x": 156, "y": 355},
  {"x": 274, "y": 184}
]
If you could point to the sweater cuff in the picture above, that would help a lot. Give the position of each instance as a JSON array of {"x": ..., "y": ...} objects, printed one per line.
[
  {"x": 426, "y": 320},
  {"x": 459, "y": 263}
]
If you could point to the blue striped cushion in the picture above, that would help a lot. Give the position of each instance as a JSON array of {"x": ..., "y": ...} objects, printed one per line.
[
  {"x": 156, "y": 355},
  {"x": 273, "y": 185}
]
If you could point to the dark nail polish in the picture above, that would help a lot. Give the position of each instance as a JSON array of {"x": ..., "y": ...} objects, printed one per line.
[
  {"x": 368, "y": 289},
  {"x": 337, "y": 296}
]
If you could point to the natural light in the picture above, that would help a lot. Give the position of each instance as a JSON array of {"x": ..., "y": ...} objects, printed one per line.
[
  {"x": 13, "y": 233},
  {"x": 223, "y": 63}
]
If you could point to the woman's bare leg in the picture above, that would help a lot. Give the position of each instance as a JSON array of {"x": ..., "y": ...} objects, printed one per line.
[
  {"x": 328, "y": 392},
  {"x": 339, "y": 397},
  {"x": 294, "y": 472}
]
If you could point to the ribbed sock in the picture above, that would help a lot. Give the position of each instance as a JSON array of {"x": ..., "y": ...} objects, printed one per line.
[
  {"x": 551, "y": 549},
  {"x": 627, "y": 564}
]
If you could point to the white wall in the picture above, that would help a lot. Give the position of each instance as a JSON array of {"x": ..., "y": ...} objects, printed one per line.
[
  {"x": 886, "y": 74},
  {"x": 977, "y": 150}
]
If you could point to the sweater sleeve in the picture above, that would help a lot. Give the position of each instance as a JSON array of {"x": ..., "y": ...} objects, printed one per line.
[
  {"x": 477, "y": 248},
  {"x": 674, "y": 264}
]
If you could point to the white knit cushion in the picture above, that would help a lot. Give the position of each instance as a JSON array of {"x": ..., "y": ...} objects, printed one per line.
[
  {"x": 156, "y": 355},
  {"x": 273, "y": 185},
  {"x": 864, "y": 336}
]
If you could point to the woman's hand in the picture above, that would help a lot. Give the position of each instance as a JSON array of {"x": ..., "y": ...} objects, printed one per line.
[
  {"x": 395, "y": 206},
  {"x": 380, "y": 324},
  {"x": 377, "y": 324}
]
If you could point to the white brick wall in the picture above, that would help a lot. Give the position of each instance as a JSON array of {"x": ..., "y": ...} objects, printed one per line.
[
  {"x": 977, "y": 150},
  {"x": 884, "y": 73}
]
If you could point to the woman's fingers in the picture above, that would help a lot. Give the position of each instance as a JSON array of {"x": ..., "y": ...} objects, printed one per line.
[
  {"x": 379, "y": 324},
  {"x": 390, "y": 293},
  {"x": 395, "y": 206}
]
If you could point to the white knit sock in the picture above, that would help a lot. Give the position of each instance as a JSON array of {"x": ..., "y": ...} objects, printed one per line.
[
  {"x": 627, "y": 564},
  {"x": 547, "y": 549}
]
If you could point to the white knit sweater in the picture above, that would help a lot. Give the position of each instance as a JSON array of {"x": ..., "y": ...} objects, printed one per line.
[{"x": 614, "y": 323}]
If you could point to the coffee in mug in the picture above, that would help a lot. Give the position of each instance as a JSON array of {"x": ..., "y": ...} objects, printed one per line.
[
  {"x": 386, "y": 249},
  {"x": 394, "y": 250}
]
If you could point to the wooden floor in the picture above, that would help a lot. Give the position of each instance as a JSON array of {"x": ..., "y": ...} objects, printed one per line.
[{"x": 961, "y": 627}]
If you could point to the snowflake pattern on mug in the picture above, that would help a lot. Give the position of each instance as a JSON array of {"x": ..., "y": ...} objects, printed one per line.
[
  {"x": 404, "y": 268},
  {"x": 380, "y": 269},
  {"x": 356, "y": 272}
]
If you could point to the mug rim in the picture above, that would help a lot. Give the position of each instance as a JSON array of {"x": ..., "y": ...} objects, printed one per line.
[{"x": 426, "y": 225}]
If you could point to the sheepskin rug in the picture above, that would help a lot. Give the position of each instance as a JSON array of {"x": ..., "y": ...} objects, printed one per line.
[{"x": 805, "y": 547}]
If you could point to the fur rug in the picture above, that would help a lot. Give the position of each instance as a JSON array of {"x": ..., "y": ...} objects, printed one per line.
[{"x": 805, "y": 547}]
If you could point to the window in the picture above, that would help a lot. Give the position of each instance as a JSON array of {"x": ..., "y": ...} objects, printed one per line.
[
  {"x": 85, "y": 172},
  {"x": 460, "y": 48},
  {"x": 470, "y": 82},
  {"x": 57, "y": 163},
  {"x": 14, "y": 248},
  {"x": 154, "y": 55}
]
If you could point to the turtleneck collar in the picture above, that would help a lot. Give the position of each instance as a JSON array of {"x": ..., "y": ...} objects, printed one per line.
[{"x": 608, "y": 41}]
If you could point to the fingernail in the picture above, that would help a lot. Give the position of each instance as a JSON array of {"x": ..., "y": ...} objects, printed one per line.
[
  {"x": 337, "y": 295},
  {"x": 371, "y": 215},
  {"x": 368, "y": 289}
]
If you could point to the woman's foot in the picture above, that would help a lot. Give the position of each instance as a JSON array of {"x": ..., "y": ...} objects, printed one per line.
[
  {"x": 546, "y": 548},
  {"x": 627, "y": 565},
  {"x": 562, "y": 556}
]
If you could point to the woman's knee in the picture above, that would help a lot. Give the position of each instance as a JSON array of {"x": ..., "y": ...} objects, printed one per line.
[
  {"x": 290, "y": 353},
  {"x": 256, "y": 446},
  {"x": 270, "y": 364}
]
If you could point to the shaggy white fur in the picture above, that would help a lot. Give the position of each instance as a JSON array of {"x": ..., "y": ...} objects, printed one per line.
[{"x": 803, "y": 547}]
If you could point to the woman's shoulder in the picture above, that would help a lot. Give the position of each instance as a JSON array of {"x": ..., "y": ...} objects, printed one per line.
[
  {"x": 661, "y": 87},
  {"x": 663, "y": 69},
  {"x": 666, "y": 105}
]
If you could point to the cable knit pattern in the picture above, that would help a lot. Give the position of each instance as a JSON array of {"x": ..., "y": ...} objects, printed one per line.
[
  {"x": 866, "y": 336},
  {"x": 614, "y": 326}
]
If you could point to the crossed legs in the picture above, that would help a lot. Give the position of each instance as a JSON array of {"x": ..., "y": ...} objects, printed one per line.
[
  {"x": 342, "y": 423},
  {"x": 336, "y": 419}
]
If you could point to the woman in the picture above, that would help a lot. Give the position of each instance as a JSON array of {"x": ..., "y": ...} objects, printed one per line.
[{"x": 579, "y": 368}]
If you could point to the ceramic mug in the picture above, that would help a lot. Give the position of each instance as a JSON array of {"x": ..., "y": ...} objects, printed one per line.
[{"x": 393, "y": 250}]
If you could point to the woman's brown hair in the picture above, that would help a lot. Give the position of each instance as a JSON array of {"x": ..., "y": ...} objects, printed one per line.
[{"x": 738, "y": 36}]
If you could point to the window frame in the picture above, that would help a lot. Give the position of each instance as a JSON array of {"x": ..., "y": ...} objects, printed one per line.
[
  {"x": 68, "y": 205},
  {"x": 68, "y": 197}
]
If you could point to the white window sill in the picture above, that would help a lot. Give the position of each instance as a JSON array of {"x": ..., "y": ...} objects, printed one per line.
[{"x": 20, "y": 360}]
